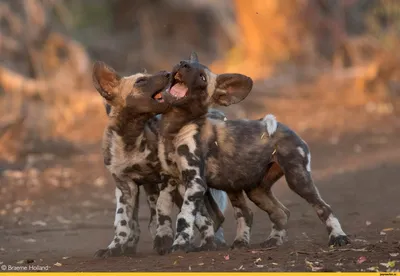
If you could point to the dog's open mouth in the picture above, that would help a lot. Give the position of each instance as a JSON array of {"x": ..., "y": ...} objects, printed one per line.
[
  {"x": 158, "y": 96},
  {"x": 178, "y": 88}
]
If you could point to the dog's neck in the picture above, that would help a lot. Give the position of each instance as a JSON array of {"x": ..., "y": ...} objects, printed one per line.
[
  {"x": 176, "y": 118},
  {"x": 129, "y": 126}
]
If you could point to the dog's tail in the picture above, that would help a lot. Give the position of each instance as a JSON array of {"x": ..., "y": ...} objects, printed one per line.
[{"x": 270, "y": 123}]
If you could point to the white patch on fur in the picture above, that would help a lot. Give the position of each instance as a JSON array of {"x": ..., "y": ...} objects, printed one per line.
[
  {"x": 189, "y": 218},
  {"x": 135, "y": 232},
  {"x": 308, "y": 167},
  {"x": 164, "y": 202},
  {"x": 271, "y": 123},
  {"x": 209, "y": 232},
  {"x": 279, "y": 235},
  {"x": 164, "y": 207},
  {"x": 301, "y": 151},
  {"x": 161, "y": 156},
  {"x": 185, "y": 136},
  {"x": 186, "y": 213},
  {"x": 334, "y": 224},
  {"x": 182, "y": 190},
  {"x": 242, "y": 230},
  {"x": 118, "y": 194}
]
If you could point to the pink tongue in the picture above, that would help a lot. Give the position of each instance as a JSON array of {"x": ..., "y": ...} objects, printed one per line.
[{"x": 178, "y": 90}]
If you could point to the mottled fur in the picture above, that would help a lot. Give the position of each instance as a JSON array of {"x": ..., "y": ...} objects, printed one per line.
[
  {"x": 234, "y": 155},
  {"x": 130, "y": 151}
]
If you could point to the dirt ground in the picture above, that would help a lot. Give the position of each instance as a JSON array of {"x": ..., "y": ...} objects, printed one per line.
[{"x": 58, "y": 210}]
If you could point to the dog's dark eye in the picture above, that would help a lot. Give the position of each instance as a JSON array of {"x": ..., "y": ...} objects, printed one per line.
[
  {"x": 203, "y": 78},
  {"x": 141, "y": 80}
]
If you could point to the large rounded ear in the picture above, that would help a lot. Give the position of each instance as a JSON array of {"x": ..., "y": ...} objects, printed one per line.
[
  {"x": 105, "y": 80},
  {"x": 231, "y": 88},
  {"x": 193, "y": 57}
]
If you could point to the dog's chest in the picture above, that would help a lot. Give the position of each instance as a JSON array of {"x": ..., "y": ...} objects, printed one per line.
[
  {"x": 172, "y": 162},
  {"x": 134, "y": 162},
  {"x": 168, "y": 157}
]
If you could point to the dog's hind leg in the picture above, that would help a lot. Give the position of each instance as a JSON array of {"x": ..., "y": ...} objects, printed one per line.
[
  {"x": 244, "y": 220},
  {"x": 164, "y": 234},
  {"x": 263, "y": 197},
  {"x": 152, "y": 192},
  {"x": 221, "y": 199},
  {"x": 133, "y": 239},
  {"x": 296, "y": 164}
]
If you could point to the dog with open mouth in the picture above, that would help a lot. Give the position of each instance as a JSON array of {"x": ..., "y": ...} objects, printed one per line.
[
  {"x": 130, "y": 150},
  {"x": 232, "y": 155}
]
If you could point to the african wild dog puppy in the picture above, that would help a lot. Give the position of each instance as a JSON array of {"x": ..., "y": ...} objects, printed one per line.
[
  {"x": 233, "y": 155},
  {"x": 130, "y": 151}
]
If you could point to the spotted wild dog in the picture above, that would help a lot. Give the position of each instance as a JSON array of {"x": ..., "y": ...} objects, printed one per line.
[
  {"x": 130, "y": 152},
  {"x": 232, "y": 155}
]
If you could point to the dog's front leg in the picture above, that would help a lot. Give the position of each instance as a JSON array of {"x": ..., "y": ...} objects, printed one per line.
[
  {"x": 204, "y": 219},
  {"x": 193, "y": 209},
  {"x": 187, "y": 216},
  {"x": 164, "y": 233},
  {"x": 126, "y": 222}
]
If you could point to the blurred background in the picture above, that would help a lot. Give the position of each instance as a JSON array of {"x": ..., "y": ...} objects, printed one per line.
[
  {"x": 327, "y": 68},
  {"x": 344, "y": 51}
]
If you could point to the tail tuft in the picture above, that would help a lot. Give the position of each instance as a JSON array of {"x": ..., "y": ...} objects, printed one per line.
[{"x": 271, "y": 123}]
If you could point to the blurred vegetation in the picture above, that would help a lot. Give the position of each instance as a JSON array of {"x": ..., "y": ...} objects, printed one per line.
[{"x": 47, "y": 48}]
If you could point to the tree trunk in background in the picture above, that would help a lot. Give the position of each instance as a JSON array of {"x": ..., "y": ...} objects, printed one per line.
[{"x": 270, "y": 33}]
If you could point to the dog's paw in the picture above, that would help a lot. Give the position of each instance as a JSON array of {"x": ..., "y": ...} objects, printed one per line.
[
  {"x": 240, "y": 244},
  {"x": 271, "y": 242},
  {"x": 183, "y": 247},
  {"x": 163, "y": 244},
  {"x": 114, "y": 252},
  {"x": 340, "y": 240}
]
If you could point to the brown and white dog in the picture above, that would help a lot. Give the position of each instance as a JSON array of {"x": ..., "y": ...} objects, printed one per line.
[
  {"x": 130, "y": 150},
  {"x": 232, "y": 155}
]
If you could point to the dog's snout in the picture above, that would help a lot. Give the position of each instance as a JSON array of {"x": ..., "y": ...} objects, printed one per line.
[{"x": 165, "y": 74}]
